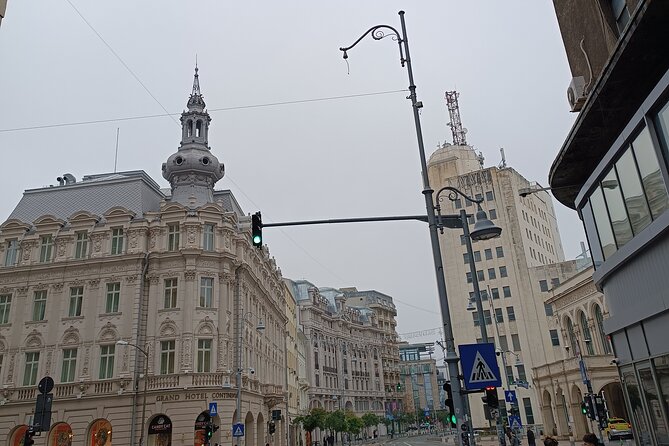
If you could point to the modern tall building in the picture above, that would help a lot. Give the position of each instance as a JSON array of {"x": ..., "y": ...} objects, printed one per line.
[
  {"x": 140, "y": 303},
  {"x": 419, "y": 381},
  {"x": 345, "y": 359},
  {"x": 613, "y": 170},
  {"x": 530, "y": 238}
]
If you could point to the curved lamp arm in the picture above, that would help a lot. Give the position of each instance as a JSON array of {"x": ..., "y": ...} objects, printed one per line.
[{"x": 378, "y": 33}]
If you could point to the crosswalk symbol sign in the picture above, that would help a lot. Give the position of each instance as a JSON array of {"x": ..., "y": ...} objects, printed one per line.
[
  {"x": 238, "y": 430},
  {"x": 213, "y": 409},
  {"x": 481, "y": 371}
]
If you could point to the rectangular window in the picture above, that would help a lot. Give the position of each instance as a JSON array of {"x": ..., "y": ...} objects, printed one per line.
[
  {"x": 172, "y": 237},
  {"x": 543, "y": 285},
  {"x": 203, "y": 355},
  {"x": 491, "y": 273},
  {"x": 555, "y": 339},
  {"x": 493, "y": 214},
  {"x": 506, "y": 291},
  {"x": 622, "y": 229},
  {"x": 529, "y": 415},
  {"x": 500, "y": 252},
  {"x": 167, "y": 354},
  {"x": 208, "y": 237},
  {"x": 76, "y": 301},
  {"x": 548, "y": 309},
  {"x": 503, "y": 272},
  {"x": 206, "y": 292},
  {"x": 632, "y": 190},
  {"x": 81, "y": 245},
  {"x": 32, "y": 366},
  {"x": 515, "y": 341},
  {"x": 39, "y": 305},
  {"x": 45, "y": 248},
  {"x": 489, "y": 195},
  {"x": 69, "y": 365},
  {"x": 107, "y": 361},
  {"x": 651, "y": 177},
  {"x": 5, "y": 306},
  {"x": 486, "y": 317},
  {"x": 113, "y": 297},
  {"x": 171, "y": 293},
  {"x": 477, "y": 256},
  {"x": 117, "y": 241},
  {"x": 457, "y": 203},
  {"x": 604, "y": 230},
  {"x": 521, "y": 372},
  {"x": 475, "y": 317},
  {"x": 12, "y": 253},
  {"x": 495, "y": 293},
  {"x": 488, "y": 254},
  {"x": 555, "y": 282},
  {"x": 465, "y": 258},
  {"x": 503, "y": 343},
  {"x": 469, "y": 277},
  {"x": 484, "y": 294},
  {"x": 480, "y": 276},
  {"x": 509, "y": 374},
  {"x": 510, "y": 314},
  {"x": 499, "y": 315}
]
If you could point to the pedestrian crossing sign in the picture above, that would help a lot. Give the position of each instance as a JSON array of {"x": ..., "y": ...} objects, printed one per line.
[{"x": 479, "y": 366}]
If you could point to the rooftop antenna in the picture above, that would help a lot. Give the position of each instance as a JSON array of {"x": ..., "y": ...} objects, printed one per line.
[
  {"x": 116, "y": 153},
  {"x": 458, "y": 131},
  {"x": 480, "y": 158},
  {"x": 502, "y": 163}
]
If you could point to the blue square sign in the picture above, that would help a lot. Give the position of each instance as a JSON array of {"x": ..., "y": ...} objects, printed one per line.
[{"x": 479, "y": 366}]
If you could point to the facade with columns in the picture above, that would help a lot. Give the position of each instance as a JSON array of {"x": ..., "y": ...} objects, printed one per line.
[{"x": 112, "y": 258}]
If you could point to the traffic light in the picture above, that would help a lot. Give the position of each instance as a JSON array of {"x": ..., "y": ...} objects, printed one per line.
[
  {"x": 584, "y": 408},
  {"x": 491, "y": 397},
  {"x": 399, "y": 387},
  {"x": 272, "y": 427},
  {"x": 449, "y": 405},
  {"x": 589, "y": 408},
  {"x": 28, "y": 440},
  {"x": 256, "y": 229},
  {"x": 208, "y": 432}
]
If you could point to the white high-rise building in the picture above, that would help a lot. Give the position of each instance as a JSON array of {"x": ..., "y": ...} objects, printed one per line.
[{"x": 514, "y": 315}]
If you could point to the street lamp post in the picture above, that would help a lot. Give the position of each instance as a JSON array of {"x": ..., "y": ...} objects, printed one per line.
[
  {"x": 240, "y": 369},
  {"x": 484, "y": 229},
  {"x": 378, "y": 32},
  {"x": 146, "y": 379}
]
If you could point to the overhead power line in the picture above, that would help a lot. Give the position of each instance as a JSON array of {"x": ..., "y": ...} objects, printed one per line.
[{"x": 162, "y": 115}]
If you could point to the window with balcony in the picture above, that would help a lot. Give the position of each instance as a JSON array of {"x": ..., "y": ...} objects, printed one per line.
[
  {"x": 31, "y": 369},
  {"x": 39, "y": 305},
  {"x": 107, "y": 361},
  {"x": 117, "y": 241},
  {"x": 12, "y": 252},
  {"x": 208, "y": 237},
  {"x": 81, "y": 245},
  {"x": 69, "y": 366},
  {"x": 76, "y": 301},
  {"x": 45, "y": 248},
  {"x": 170, "y": 293},
  {"x": 173, "y": 237},
  {"x": 5, "y": 306},
  {"x": 113, "y": 297},
  {"x": 167, "y": 355},
  {"x": 203, "y": 355},
  {"x": 206, "y": 292}
]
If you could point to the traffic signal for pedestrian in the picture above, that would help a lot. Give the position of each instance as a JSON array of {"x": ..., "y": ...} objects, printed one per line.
[
  {"x": 272, "y": 427},
  {"x": 208, "y": 432},
  {"x": 584, "y": 408},
  {"x": 256, "y": 229},
  {"x": 28, "y": 440},
  {"x": 399, "y": 387},
  {"x": 491, "y": 397},
  {"x": 589, "y": 408},
  {"x": 449, "y": 404}
]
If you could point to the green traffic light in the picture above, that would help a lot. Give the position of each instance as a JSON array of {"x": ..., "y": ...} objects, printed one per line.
[
  {"x": 256, "y": 240},
  {"x": 453, "y": 419}
]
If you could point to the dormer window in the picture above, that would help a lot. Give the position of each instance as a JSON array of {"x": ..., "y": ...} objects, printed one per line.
[
  {"x": 173, "y": 237},
  {"x": 45, "y": 248}
]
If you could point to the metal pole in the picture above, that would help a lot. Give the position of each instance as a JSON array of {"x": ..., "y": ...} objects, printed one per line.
[
  {"x": 240, "y": 325},
  {"x": 452, "y": 358},
  {"x": 146, "y": 379}
]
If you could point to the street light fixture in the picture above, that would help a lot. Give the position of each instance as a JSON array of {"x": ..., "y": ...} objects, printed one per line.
[
  {"x": 378, "y": 32},
  {"x": 146, "y": 379}
]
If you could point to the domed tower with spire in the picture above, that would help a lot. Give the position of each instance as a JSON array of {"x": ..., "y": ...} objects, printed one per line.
[{"x": 193, "y": 170}]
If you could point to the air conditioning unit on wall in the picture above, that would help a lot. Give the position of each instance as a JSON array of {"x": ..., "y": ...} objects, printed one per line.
[{"x": 576, "y": 93}]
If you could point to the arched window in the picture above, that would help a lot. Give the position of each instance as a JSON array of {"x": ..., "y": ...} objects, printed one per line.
[
  {"x": 599, "y": 320},
  {"x": 587, "y": 336},
  {"x": 572, "y": 336},
  {"x": 198, "y": 128},
  {"x": 189, "y": 128}
]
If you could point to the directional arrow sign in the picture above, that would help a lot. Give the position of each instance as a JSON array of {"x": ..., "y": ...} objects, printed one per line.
[{"x": 510, "y": 396}]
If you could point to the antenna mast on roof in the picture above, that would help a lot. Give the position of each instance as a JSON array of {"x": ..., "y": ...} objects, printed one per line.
[
  {"x": 502, "y": 163},
  {"x": 116, "y": 153},
  {"x": 458, "y": 131}
]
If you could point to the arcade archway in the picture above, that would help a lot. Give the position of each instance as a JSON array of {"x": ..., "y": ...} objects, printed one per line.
[{"x": 159, "y": 432}]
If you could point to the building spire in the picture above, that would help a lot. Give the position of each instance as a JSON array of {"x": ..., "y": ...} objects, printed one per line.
[{"x": 196, "y": 100}]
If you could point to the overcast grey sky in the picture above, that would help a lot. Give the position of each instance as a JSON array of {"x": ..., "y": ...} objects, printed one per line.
[{"x": 339, "y": 158}]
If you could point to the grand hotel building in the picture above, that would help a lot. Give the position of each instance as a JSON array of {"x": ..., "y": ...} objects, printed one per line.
[{"x": 111, "y": 258}]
